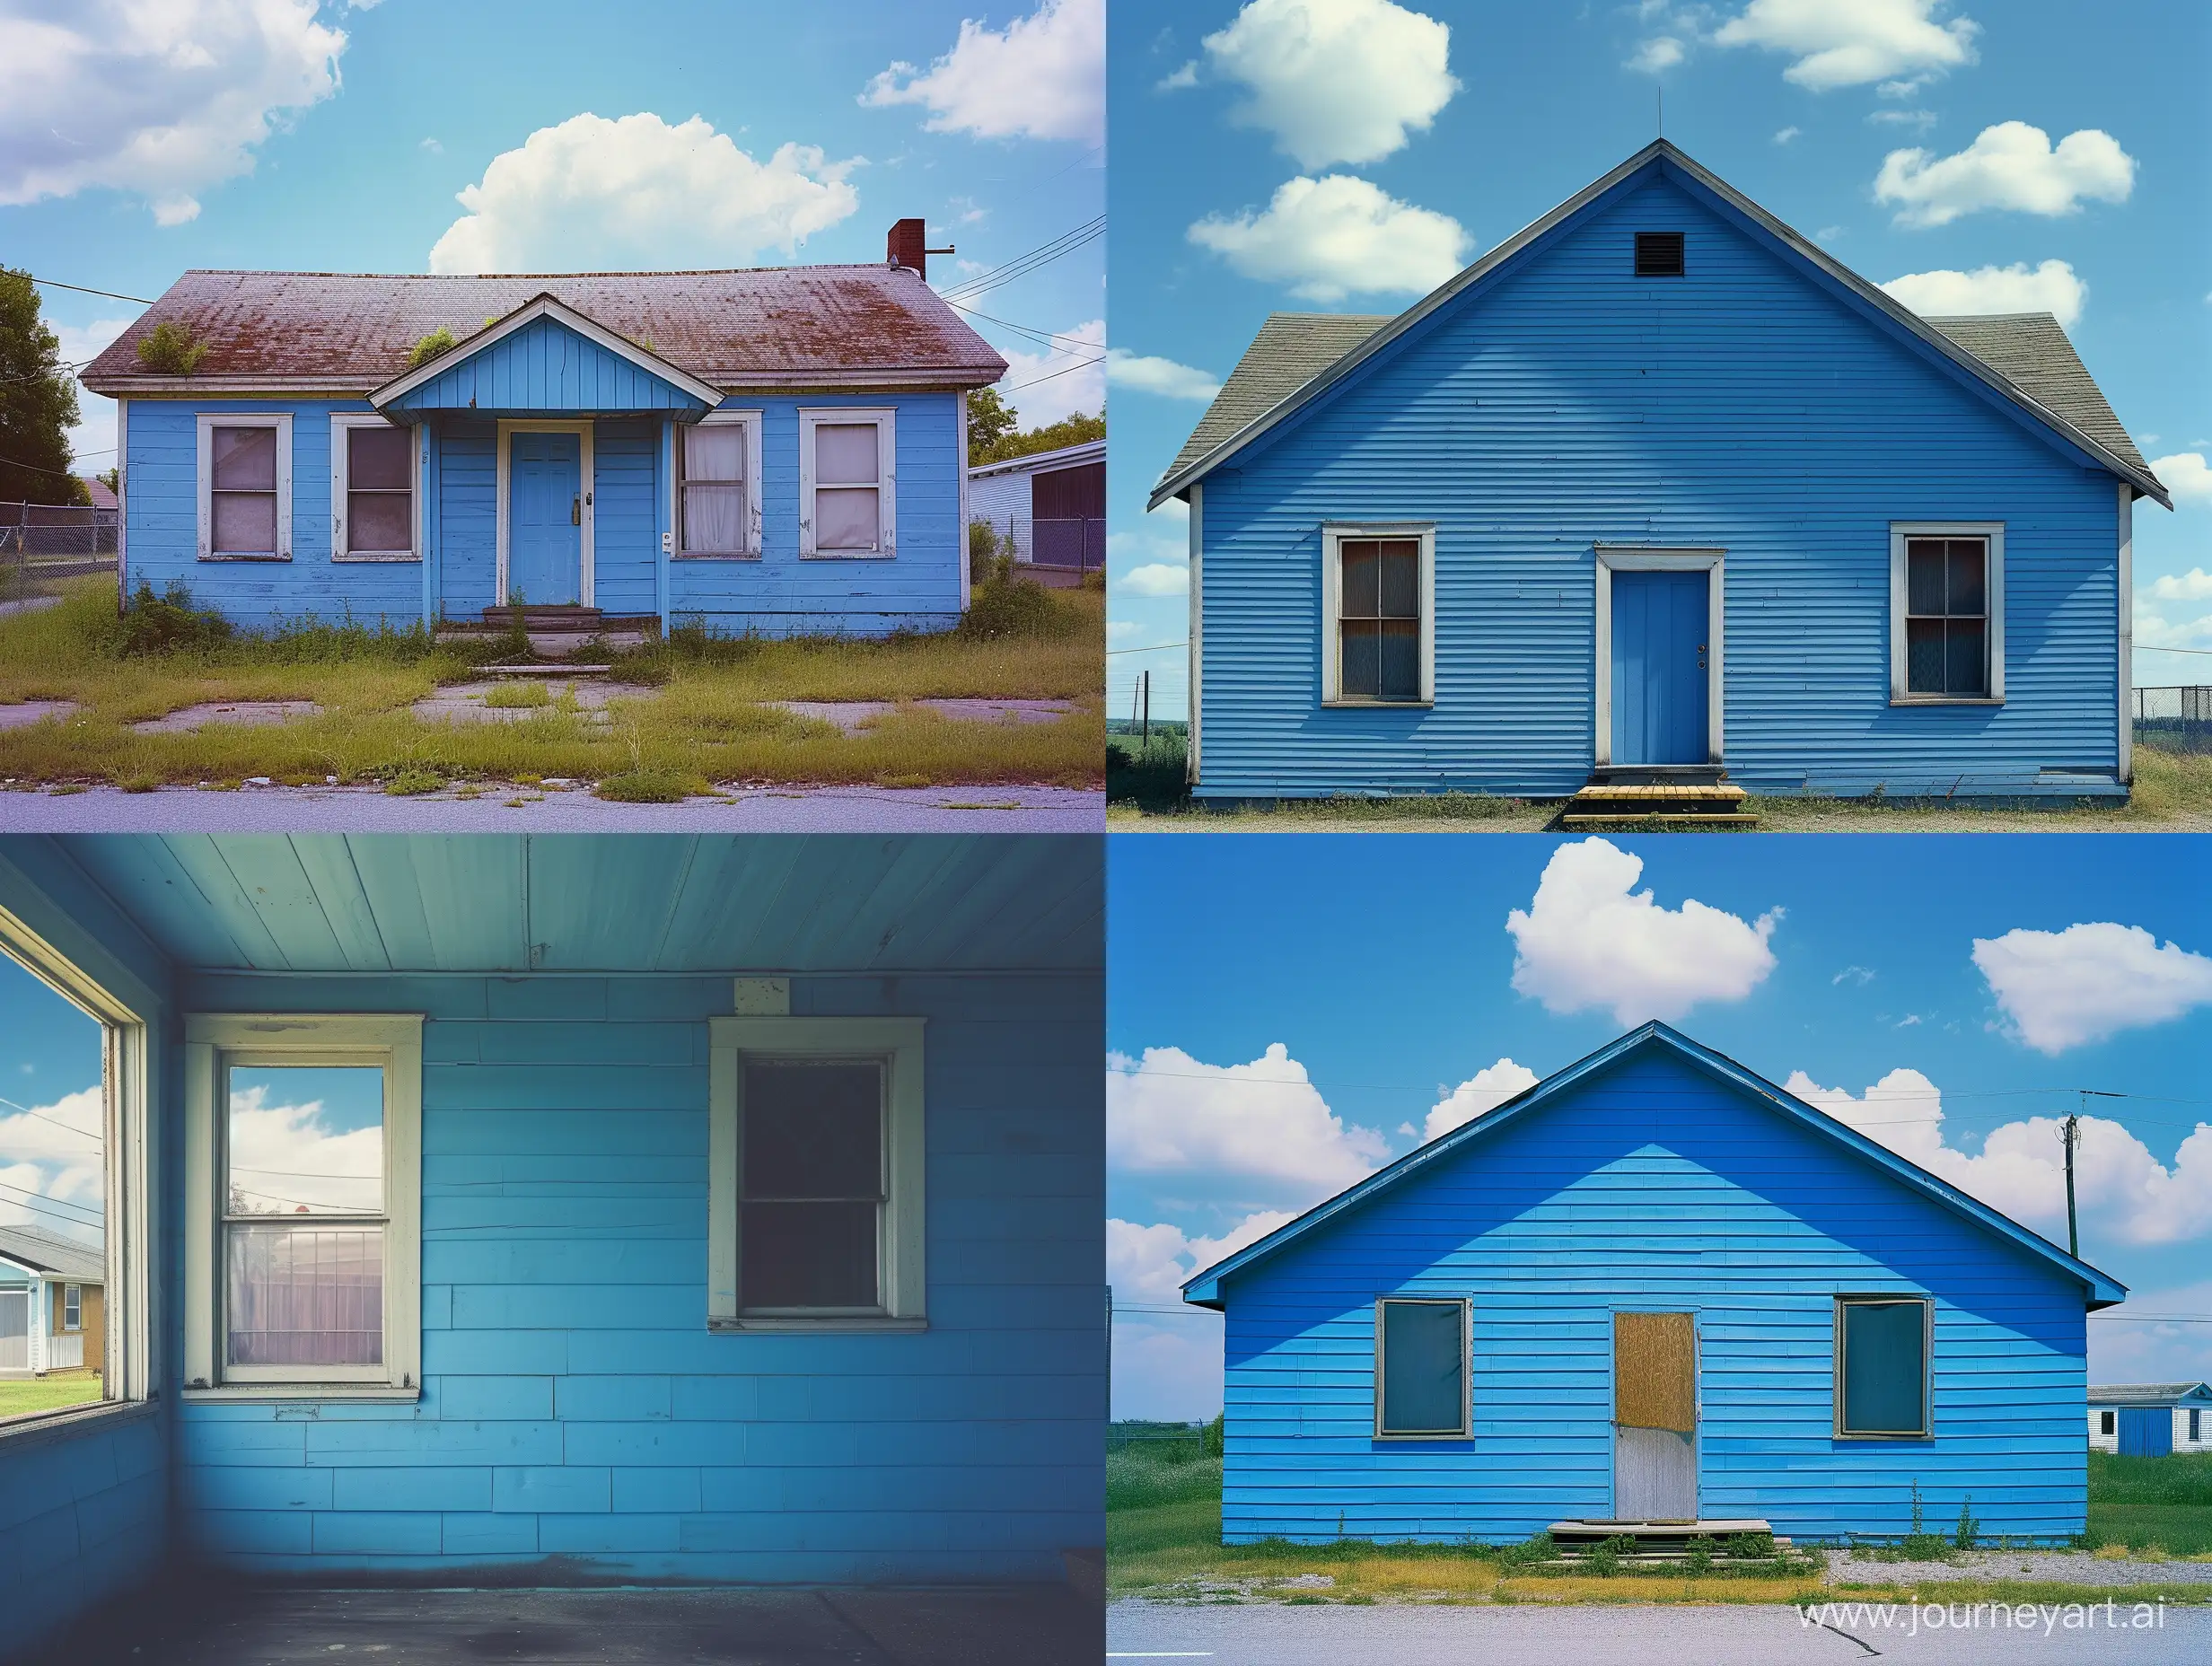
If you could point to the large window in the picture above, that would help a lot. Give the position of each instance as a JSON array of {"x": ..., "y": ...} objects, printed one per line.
[
  {"x": 373, "y": 515},
  {"x": 245, "y": 487},
  {"x": 815, "y": 1202},
  {"x": 1420, "y": 1368},
  {"x": 304, "y": 1157},
  {"x": 1379, "y": 601},
  {"x": 846, "y": 482},
  {"x": 719, "y": 486},
  {"x": 1946, "y": 599},
  {"x": 1882, "y": 1365}
]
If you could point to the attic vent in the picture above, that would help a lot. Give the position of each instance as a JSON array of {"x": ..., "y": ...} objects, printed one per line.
[{"x": 1659, "y": 254}]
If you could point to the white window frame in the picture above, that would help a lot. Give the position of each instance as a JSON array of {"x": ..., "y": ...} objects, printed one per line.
[
  {"x": 1466, "y": 1430},
  {"x": 896, "y": 1043},
  {"x": 1993, "y": 602},
  {"x": 207, "y": 422},
  {"x": 342, "y": 423},
  {"x": 1926, "y": 1431},
  {"x": 751, "y": 421},
  {"x": 886, "y": 419},
  {"x": 1335, "y": 534},
  {"x": 72, "y": 1296},
  {"x": 214, "y": 1041},
  {"x": 1613, "y": 558}
]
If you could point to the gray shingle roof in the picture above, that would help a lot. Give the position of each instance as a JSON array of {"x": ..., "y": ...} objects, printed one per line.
[
  {"x": 2142, "y": 1393},
  {"x": 48, "y": 1253},
  {"x": 2029, "y": 349}
]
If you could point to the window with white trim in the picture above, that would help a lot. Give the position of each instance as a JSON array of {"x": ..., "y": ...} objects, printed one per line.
[
  {"x": 1882, "y": 1344},
  {"x": 1947, "y": 612},
  {"x": 719, "y": 486},
  {"x": 846, "y": 482},
  {"x": 814, "y": 1200},
  {"x": 373, "y": 470},
  {"x": 303, "y": 1212},
  {"x": 1379, "y": 635},
  {"x": 1420, "y": 1368},
  {"x": 73, "y": 1307},
  {"x": 245, "y": 486}
]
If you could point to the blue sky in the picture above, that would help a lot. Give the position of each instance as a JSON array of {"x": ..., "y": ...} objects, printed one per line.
[
  {"x": 1451, "y": 126},
  {"x": 51, "y": 1135},
  {"x": 1942, "y": 993},
  {"x": 289, "y": 135}
]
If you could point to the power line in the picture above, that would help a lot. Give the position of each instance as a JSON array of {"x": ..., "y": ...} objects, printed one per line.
[
  {"x": 1022, "y": 264},
  {"x": 1155, "y": 648},
  {"x": 1063, "y": 371},
  {"x": 39, "y": 1200},
  {"x": 1045, "y": 336},
  {"x": 52, "y": 282},
  {"x": 57, "y": 1121}
]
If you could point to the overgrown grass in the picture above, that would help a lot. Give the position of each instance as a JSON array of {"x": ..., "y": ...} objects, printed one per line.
[
  {"x": 48, "y": 1393},
  {"x": 2161, "y": 1505},
  {"x": 708, "y": 722}
]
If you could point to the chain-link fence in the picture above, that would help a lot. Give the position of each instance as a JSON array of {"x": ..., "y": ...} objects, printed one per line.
[
  {"x": 56, "y": 531},
  {"x": 2177, "y": 719}
]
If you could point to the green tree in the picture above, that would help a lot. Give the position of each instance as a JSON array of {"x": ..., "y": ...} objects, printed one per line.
[
  {"x": 1027, "y": 442},
  {"x": 38, "y": 402},
  {"x": 990, "y": 419}
]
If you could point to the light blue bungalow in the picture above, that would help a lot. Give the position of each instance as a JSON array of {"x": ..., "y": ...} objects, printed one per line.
[
  {"x": 1658, "y": 491},
  {"x": 780, "y": 451},
  {"x": 1653, "y": 1290},
  {"x": 492, "y": 1211}
]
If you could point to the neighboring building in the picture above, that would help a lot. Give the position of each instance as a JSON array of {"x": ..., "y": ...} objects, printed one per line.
[
  {"x": 50, "y": 1289},
  {"x": 101, "y": 494},
  {"x": 1052, "y": 506},
  {"x": 545, "y": 1341},
  {"x": 1658, "y": 488},
  {"x": 780, "y": 451},
  {"x": 2150, "y": 1419},
  {"x": 1652, "y": 1287}
]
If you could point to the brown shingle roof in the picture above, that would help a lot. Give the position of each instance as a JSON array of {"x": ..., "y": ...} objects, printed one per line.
[
  {"x": 2031, "y": 351},
  {"x": 809, "y": 326},
  {"x": 1290, "y": 350}
]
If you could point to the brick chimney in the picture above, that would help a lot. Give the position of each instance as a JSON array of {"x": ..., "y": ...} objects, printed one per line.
[{"x": 907, "y": 247}]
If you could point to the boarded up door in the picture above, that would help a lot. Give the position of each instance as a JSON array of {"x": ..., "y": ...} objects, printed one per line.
[
  {"x": 14, "y": 1330},
  {"x": 2146, "y": 1432},
  {"x": 1654, "y": 1417}
]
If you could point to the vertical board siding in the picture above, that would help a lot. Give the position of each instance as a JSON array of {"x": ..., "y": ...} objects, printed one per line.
[
  {"x": 574, "y": 1402},
  {"x": 546, "y": 368},
  {"x": 1652, "y": 1188},
  {"x": 1742, "y": 406}
]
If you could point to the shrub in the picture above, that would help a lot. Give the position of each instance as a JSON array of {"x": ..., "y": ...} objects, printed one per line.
[
  {"x": 1539, "y": 1548},
  {"x": 644, "y": 786},
  {"x": 1212, "y": 1438},
  {"x": 168, "y": 623},
  {"x": 171, "y": 349},
  {"x": 413, "y": 781},
  {"x": 1967, "y": 1530},
  {"x": 1699, "y": 1553},
  {"x": 1013, "y": 606},
  {"x": 1756, "y": 1546},
  {"x": 438, "y": 341},
  {"x": 988, "y": 558}
]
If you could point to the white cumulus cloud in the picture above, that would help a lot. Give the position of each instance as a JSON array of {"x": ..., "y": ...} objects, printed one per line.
[
  {"x": 1059, "y": 381},
  {"x": 1328, "y": 238},
  {"x": 1336, "y": 80},
  {"x": 2187, "y": 476},
  {"x": 1155, "y": 578},
  {"x": 2065, "y": 989},
  {"x": 1590, "y": 939},
  {"x": 2194, "y": 585},
  {"x": 1486, "y": 1089},
  {"x": 1164, "y": 377},
  {"x": 1846, "y": 43},
  {"x": 91, "y": 442},
  {"x": 53, "y": 1151},
  {"x": 2051, "y": 287},
  {"x": 1150, "y": 1263},
  {"x": 159, "y": 99},
  {"x": 2011, "y": 165},
  {"x": 1042, "y": 76},
  {"x": 1660, "y": 52},
  {"x": 636, "y": 191},
  {"x": 2152, "y": 631}
]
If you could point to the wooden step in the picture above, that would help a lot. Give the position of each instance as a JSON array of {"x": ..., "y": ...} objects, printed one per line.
[{"x": 1645, "y": 818}]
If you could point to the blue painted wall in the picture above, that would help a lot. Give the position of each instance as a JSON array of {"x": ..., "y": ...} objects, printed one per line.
[
  {"x": 575, "y": 1405},
  {"x": 1651, "y": 1186},
  {"x": 547, "y": 368},
  {"x": 1742, "y": 406}
]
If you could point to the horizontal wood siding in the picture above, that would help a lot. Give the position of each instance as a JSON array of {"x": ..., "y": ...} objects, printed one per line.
[
  {"x": 468, "y": 553},
  {"x": 545, "y": 368},
  {"x": 575, "y": 1404},
  {"x": 1741, "y": 406},
  {"x": 780, "y": 594},
  {"x": 626, "y": 538},
  {"x": 1655, "y": 1188}
]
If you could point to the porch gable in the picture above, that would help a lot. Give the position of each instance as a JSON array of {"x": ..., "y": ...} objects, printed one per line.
[{"x": 546, "y": 359}]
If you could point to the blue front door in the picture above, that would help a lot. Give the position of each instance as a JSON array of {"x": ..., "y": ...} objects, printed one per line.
[
  {"x": 545, "y": 518},
  {"x": 1660, "y": 654},
  {"x": 2146, "y": 1432}
]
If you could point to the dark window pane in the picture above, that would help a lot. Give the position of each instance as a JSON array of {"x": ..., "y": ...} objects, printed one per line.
[
  {"x": 1363, "y": 665},
  {"x": 301, "y": 1295},
  {"x": 1400, "y": 673},
  {"x": 1924, "y": 656},
  {"x": 245, "y": 459},
  {"x": 807, "y": 1255},
  {"x": 1401, "y": 580},
  {"x": 813, "y": 1131},
  {"x": 1884, "y": 1367},
  {"x": 1424, "y": 1360},
  {"x": 1362, "y": 579},
  {"x": 380, "y": 521},
  {"x": 245, "y": 522},
  {"x": 1924, "y": 576},
  {"x": 1965, "y": 672},
  {"x": 1966, "y": 586},
  {"x": 379, "y": 460}
]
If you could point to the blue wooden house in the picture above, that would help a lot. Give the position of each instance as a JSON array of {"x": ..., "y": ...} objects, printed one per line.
[
  {"x": 780, "y": 451},
  {"x": 1652, "y": 1289},
  {"x": 1655, "y": 490},
  {"x": 578, "y": 1210}
]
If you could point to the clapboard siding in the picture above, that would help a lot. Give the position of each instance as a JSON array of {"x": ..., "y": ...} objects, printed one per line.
[
  {"x": 1746, "y": 405},
  {"x": 546, "y": 367},
  {"x": 574, "y": 1402},
  {"x": 1650, "y": 1185}
]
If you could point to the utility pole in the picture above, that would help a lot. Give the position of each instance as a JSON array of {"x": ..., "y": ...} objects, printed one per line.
[
  {"x": 2072, "y": 1135},
  {"x": 1148, "y": 739}
]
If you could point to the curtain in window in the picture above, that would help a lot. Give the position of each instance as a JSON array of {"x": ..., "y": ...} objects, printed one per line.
[
  {"x": 379, "y": 489},
  {"x": 1424, "y": 1355},
  {"x": 306, "y": 1295},
  {"x": 846, "y": 486},
  {"x": 243, "y": 490},
  {"x": 714, "y": 498},
  {"x": 1884, "y": 1367}
]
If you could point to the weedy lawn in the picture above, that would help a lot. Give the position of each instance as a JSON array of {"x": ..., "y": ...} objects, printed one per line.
[{"x": 48, "y": 1393}]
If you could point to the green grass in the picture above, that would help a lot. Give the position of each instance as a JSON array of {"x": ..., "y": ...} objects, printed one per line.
[
  {"x": 48, "y": 1393},
  {"x": 708, "y": 721},
  {"x": 2161, "y": 1504}
]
